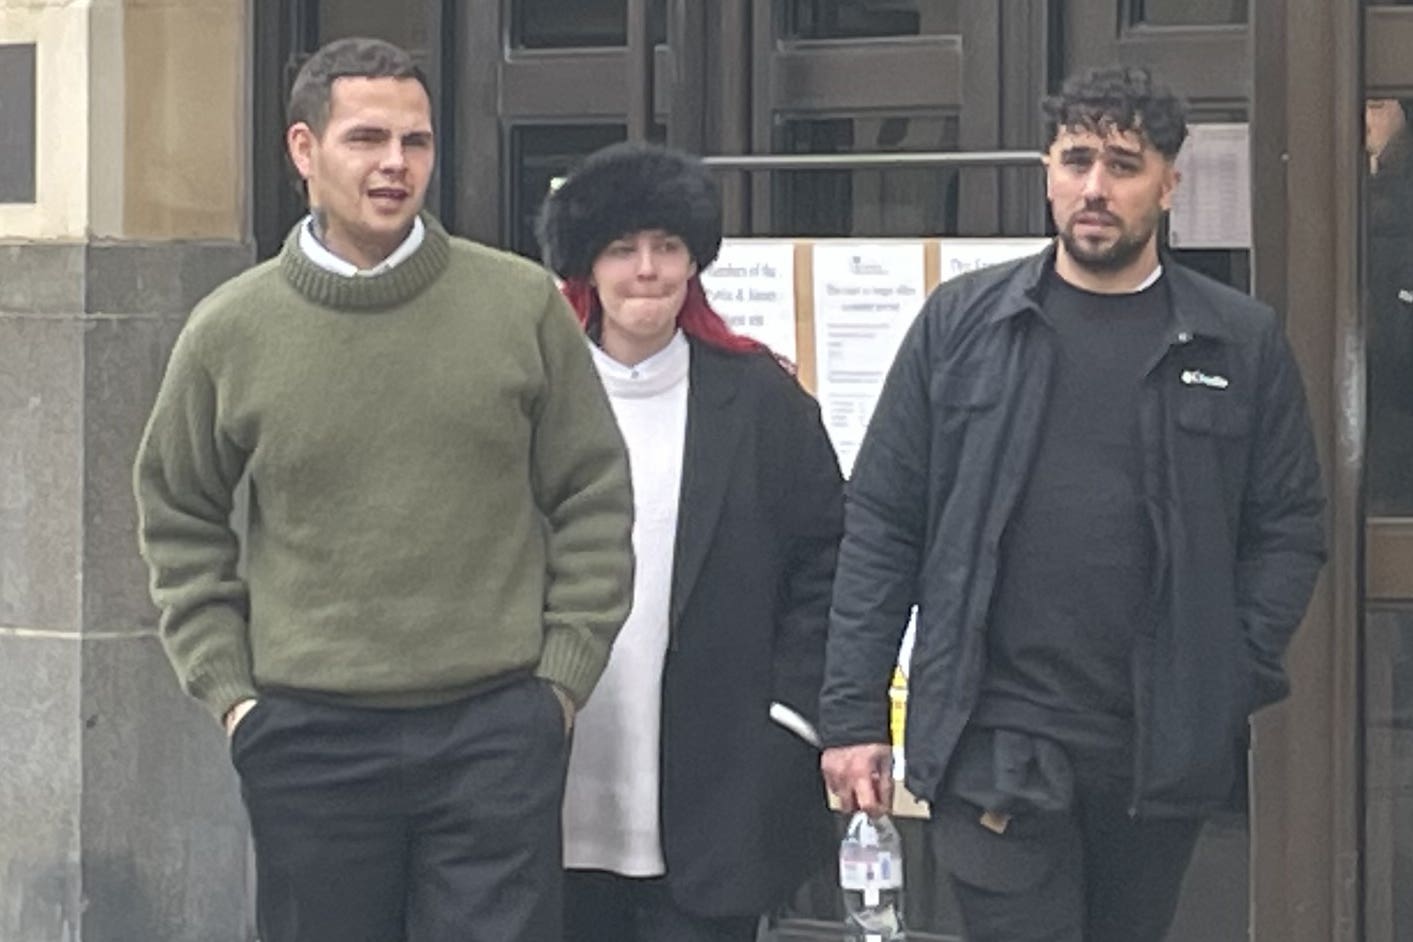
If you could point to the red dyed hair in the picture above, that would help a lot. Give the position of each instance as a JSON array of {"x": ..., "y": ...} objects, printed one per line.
[{"x": 697, "y": 319}]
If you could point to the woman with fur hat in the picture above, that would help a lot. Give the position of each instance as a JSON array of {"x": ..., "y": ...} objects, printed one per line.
[{"x": 688, "y": 812}]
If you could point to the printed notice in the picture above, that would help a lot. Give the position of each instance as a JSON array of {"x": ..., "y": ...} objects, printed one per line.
[
  {"x": 865, "y": 297},
  {"x": 1212, "y": 202},
  {"x": 960, "y": 256},
  {"x": 752, "y": 285}
]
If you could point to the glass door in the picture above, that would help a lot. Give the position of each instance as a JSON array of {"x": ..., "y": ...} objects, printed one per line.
[{"x": 1388, "y": 473}]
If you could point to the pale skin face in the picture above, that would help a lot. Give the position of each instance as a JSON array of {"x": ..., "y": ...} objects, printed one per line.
[
  {"x": 1108, "y": 194},
  {"x": 1383, "y": 121},
  {"x": 367, "y": 172},
  {"x": 641, "y": 281}
]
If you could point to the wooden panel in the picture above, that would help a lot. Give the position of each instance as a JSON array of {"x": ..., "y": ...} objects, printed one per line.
[
  {"x": 922, "y": 72},
  {"x": 804, "y": 315},
  {"x": 1388, "y": 37},
  {"x": 1205, "y": 64},
  {"x": 1388, "y": 559},
  {"x": 1306, "y": 787},
  {"x": 477, "y": 182},
  {"x": 579, "y": 84}
]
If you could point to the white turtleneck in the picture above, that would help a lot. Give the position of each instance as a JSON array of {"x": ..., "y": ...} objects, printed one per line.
[{"x": 611, "y": 816}]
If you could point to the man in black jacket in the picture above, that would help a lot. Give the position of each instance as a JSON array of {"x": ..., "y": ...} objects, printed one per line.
[{"x": 1092, "y": 472}]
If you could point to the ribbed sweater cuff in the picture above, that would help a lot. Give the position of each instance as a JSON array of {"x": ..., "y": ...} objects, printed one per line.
[
  {"x": 221, "y": 686},
  {"x": 568, "y": 661}
]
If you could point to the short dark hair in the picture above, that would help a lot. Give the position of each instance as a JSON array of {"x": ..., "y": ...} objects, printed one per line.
[
  {"x": 355, "y": 57},
  {"x": 1118, "y": 98}
]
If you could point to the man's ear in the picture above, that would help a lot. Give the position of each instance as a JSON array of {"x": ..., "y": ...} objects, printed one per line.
[
  {"x": 1171, "y": 179},
  {"x": 300, "y": 140},
  {"x": 1048, "y": 163}
]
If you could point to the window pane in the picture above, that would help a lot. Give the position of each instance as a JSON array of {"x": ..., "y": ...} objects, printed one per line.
[
  {"x": 403, "y": 24},
  {"x": 1388, "y": 767},
  {"x": 866, "y": 202},
  {"x": 853, "y": 19},
  {"x": 1389, "y": 305},
  {"x": 568, "y": 24},
  {"x": 539, "y": 153},
  {"x": 559, "y": 24},
  {"x": 1189, "y": 12}
]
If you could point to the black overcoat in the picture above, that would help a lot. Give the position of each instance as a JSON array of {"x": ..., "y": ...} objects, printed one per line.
[{"x": 744, "y": 818}]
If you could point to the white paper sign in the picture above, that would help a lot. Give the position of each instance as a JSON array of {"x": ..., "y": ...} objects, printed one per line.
[
  {"x": 752, "y": 285},
  {"x": 865, "y": 297},
  {"x": 960, "y": 256},
  {"x": 1212, "y": 202}
]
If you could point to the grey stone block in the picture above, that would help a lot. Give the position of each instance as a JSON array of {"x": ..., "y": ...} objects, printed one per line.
[
  {"x": 39, "y": 789},
  {"x": 158, "y": 277},
  {"x": 164, "y": 839},
  {"x": 41, "y": 277},
  {"x": 40, "y": 472},
  {"x": 123, "y": 364}
]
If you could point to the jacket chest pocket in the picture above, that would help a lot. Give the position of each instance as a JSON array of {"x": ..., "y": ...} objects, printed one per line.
[
  {"x": 965, "y": 391},
  {"x": 1202, "y": 412},
  {"x": 1212, "y": 448}
]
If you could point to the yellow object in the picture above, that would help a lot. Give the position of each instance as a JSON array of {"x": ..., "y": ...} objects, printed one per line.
[{"x": 897, "y": 715}]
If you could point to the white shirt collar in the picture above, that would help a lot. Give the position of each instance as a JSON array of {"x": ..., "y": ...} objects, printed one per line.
[
  {"x": 1151, "y": 280},
  {"x": 656, "y": 374},
  {"x": 321, "y": 256}
]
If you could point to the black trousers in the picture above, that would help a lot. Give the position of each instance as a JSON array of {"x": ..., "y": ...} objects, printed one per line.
[
  {"x": 428, "y": 825},
  {"x": 1092, "y": 874},
  {"x": 606, "y": 907}
]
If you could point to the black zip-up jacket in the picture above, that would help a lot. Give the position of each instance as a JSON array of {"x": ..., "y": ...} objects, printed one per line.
[{"x": 1232, "y": 490}]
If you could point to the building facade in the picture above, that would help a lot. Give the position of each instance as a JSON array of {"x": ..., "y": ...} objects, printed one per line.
[{"x": 143, "y": 143}]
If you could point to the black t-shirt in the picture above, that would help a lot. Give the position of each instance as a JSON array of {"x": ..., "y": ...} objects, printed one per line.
[{"x": 1075, "y": 576}]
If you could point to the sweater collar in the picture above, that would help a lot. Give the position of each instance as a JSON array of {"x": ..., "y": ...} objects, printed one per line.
[
  {"x": 372, "y": 292},
  {"x": 320, "y": 255}
]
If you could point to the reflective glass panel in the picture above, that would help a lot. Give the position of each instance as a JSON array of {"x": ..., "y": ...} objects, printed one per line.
[
  {"x": 559, "y": 24},
  {"x": 538, "y": 154},
  {"x": 1388, "y": 770},
  {"x": 1189, "y": 12},
  {"x": 1388, "y": 312},
  {"x": 854, "y": 19},
  {"x": 403, "y": 24},
  {"x": 910, "y": 202},
  {"x": 567, "y": 24}
]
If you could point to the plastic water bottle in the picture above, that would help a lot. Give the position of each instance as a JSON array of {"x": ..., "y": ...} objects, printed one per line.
[{"x": 871, "y": 876}]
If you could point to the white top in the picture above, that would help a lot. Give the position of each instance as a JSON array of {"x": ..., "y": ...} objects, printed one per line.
[
  {"x": 319, "y": 254},
  {"x": 611, "y": 799}
]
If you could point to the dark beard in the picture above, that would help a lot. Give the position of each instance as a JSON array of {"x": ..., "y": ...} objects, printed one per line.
[{"x": 1111, "y": 258}]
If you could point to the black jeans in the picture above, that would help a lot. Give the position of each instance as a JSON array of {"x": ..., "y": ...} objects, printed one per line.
[
  {"x": 426, "y": 825},
  {"x": 606, "y": 907},
  {"x": 1091, "y": 874}
]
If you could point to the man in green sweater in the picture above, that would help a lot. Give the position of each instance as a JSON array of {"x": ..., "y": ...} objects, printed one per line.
[{"x": 438, "y": 554}]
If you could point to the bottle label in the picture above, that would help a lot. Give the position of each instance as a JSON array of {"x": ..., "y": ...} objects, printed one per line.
[{"x": 876, "y": 871}]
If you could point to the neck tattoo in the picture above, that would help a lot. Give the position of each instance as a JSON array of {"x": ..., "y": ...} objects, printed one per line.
[{"x": 318, "y": 225}]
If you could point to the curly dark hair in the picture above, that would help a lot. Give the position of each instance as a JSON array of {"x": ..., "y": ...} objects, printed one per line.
[
  {"x": 1118, "y": 98},
  {"x": 354, "y": 57}
]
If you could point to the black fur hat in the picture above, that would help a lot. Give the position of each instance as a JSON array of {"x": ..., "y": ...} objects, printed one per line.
[{"x": 626, "y": 188}]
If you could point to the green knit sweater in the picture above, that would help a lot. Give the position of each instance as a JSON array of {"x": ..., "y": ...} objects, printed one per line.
[{"x": 439, "y": 494}]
